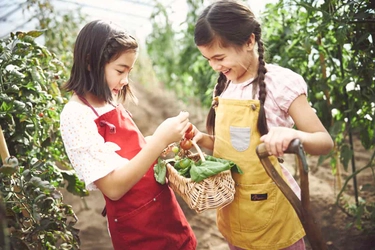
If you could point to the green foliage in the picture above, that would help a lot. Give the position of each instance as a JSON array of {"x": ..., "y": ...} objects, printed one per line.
[
  {"x": 30, "y": 76},
  {"x": 365, "y": 209},
  {"x": 332, "y": 47},
  {"x": 331, "y": 44},
  {"x": 31, "y": 99},
  {"x": 60, "y": 34},
  {"x": 176, "y": 60},
  {"x": 162, "y": 38},
  {"x": 36, "y": 216}
]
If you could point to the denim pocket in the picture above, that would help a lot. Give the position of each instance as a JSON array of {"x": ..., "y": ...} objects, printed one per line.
[{"x": 240, "y": 138}]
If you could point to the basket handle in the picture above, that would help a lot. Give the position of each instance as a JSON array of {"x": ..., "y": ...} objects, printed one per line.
[{"x": 198, "y": 150}]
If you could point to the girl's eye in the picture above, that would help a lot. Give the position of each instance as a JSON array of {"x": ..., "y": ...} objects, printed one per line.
[
  {"x": 119, "y": 71},
  {"x": 219, "y": 59}
]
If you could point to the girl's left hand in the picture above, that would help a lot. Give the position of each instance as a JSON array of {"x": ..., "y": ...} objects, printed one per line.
[{"x": 277, "y": 140}]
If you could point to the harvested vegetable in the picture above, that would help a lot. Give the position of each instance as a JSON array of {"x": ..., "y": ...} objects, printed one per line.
[
  {"x": 211, "y": 166},
  {"x": 160, "y": 171},
  {"x": 197, "y": 170}
]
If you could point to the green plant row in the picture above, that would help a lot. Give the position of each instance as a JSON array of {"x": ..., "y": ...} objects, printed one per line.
[{"x": 30, "y": 78}]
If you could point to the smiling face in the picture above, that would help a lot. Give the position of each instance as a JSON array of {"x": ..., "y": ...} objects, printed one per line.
[
  {"x": 117, "y": 71},
  {"x": 238, "y": 64}
]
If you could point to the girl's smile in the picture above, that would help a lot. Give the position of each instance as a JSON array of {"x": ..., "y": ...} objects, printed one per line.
[{"x": 237, "y": 64}]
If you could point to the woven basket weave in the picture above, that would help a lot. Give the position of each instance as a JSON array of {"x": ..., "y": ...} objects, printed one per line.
[{"x": 213, "y": 192}]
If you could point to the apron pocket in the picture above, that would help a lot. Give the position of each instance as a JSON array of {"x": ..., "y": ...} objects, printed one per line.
[
  {"x": 141, "y": 216},
  {"x": 159, "y": 216},
  {"x": 257, "y": 205},
  {"x": 240, "y": 138}
]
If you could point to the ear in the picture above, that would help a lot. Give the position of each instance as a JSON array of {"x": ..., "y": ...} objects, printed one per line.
[{"x": 250, "y": 44}]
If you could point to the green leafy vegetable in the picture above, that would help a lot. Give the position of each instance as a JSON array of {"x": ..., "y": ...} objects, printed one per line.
[
  {"x": 197, "y": 171},
  {"x": 160, "y": 171},
  {"x": 211, "y": 166},
  {"x": 231, "y": 163}
]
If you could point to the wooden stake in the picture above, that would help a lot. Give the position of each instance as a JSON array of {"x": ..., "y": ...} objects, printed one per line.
[{"x": 4, "y": 152}]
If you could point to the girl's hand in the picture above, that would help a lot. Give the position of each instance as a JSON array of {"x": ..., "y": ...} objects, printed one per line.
[
  {"x": 203, "y": 140},
  {"x": 277, "y": 140},
  {"x": 172, "y": 129},
  {"x": 198, "y": 135}
]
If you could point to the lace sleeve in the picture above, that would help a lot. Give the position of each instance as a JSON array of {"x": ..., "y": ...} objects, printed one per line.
[{"x": 91, "y": 157}]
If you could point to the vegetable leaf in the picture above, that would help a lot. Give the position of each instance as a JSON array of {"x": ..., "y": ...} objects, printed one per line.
[
  {"x": 160, "y": 171},
  {"x": 231, "y": 163},
  {"x": 211, "y": 166}
]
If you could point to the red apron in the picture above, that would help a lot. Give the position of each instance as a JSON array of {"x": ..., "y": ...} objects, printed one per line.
[{"x": 148, "y": 216}]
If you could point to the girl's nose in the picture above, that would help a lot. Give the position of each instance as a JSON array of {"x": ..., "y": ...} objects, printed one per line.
[
  {"x": 215, "y": 65},
  {"x": 124, "y": 81}
]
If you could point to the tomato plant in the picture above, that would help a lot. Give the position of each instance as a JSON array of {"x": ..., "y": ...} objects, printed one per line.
[
  {"x": 175, "y": 149},
  {"x": 31, "y": 102},
  {"x": 186, "y": 144},
  {"x": 189, "y": 135}
]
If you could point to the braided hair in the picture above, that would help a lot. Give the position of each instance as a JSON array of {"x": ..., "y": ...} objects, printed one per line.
[{"x": 231, "y": 23}]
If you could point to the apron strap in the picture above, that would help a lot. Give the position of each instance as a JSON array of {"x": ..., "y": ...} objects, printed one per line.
[
  {"x": 102, "y": 123},
  {"x": 88, "y": 104}
]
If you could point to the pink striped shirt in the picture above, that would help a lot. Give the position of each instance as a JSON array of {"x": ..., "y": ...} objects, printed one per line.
[{"x": 283, "y": 86}]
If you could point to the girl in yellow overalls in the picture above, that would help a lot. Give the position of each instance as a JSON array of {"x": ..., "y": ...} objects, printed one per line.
[{"x": 254, "y": 102}]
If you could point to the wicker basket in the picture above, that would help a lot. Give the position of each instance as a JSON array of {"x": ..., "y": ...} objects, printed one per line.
[{"x": 211, "y": 193}]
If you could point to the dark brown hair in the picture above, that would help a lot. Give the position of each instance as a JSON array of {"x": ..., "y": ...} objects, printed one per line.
[
  {"x": 231, "y": 23},
  {"x": 98, "y": 43}
]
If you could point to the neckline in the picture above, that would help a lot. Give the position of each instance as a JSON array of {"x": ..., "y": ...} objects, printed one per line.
[{"x": 247, "y": 82}]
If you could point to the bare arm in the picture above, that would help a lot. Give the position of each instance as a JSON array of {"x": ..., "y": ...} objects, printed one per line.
[
  {"x": 121, "y": 180},
  {"x": 315, "y": 138},
  {"x": 311, "y": 132}
]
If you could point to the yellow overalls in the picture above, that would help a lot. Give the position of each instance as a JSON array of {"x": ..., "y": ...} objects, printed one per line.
[{"x": 260, "y": 217}]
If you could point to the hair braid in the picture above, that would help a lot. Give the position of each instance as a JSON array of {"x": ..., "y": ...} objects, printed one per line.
[
  {"x": 262, "y": 121},
  {"x": 219, "y": 88}
]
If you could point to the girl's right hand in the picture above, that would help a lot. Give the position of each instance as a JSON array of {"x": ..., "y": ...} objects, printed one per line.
[
  {"x": 173, "y": 128},
  {"x": 202, "y": 139}
]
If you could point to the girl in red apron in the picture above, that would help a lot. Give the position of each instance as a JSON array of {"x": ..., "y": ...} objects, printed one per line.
[
  {"x": 254, "y": 102},
  {"x": 108, "y": 151}
]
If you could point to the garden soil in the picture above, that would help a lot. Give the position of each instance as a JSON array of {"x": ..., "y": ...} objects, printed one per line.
[{"x": 155, "y": 106}]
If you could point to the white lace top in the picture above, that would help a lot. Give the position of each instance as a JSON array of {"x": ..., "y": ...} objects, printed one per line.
[{"x": 90, "y": 156}]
